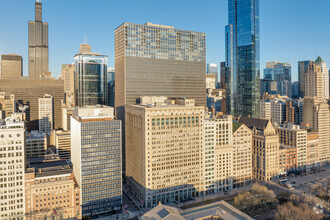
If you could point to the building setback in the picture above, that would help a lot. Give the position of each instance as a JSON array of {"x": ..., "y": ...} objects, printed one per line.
[{"x": 11, "y": 66}]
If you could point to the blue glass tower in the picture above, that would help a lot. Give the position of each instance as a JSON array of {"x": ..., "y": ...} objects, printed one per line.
[{"x": 243, "y": 58}]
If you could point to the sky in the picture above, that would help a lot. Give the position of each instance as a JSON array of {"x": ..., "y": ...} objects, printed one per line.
[{"x": 290, "y": 30}]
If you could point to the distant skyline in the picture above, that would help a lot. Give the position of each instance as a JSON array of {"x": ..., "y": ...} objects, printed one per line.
[{"x": 290, "y": 31}]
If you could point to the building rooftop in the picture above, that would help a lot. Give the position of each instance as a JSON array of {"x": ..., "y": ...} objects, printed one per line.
[
  {"x": 260, "y": 124},
  {"x": 236, "y": 126},
  {"x": 90, "y": 112}
]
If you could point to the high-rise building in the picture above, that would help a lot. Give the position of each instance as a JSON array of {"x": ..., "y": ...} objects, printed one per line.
[
  {"x": 111, "y": 86},
  {"x": 62, "y": 143},
  {"x": 96, "y": 159},
  {"x": 298, "y": 110},
  {"x": 265, "y": 153},
  {"x": 212, "y": 68},
  {"x": 66, "y": 114},
  {"x": 46, "y": 113},
  {"x": 164, "y": 149},
  {"x": 67, "y": 74},
  {"x": 316, "y": 110},
  {"x": 50, "y": 189},
  {"x": 223, "y": 75},
  {"x": 265, "y": 109},
  {"x": 12, "y": 165},
  {"x": 278, "y": 110},
  {"x": 289, "y": 112},
  {"x": 38, "y": 44},
  {"x": 242, "y": 155},
  {"x": 292, "y": 135},
  {"x": 210, "y": 81},
  {"x": 36, "y": 144},
  {"x": 91, "y": 75},
  {"x": 269, "y": 72},
  {"x": 268, "y": 86},
  {"x": 11, "y": 66},
  {"x": 325, "y": 72},
  {"x": 295, "y": 90},
  {"x": 243, "y": 58},
  {"x": 158, "y": 60},
  {"x": 28, "y": 91},
  {"x": 302, "y": 70}
]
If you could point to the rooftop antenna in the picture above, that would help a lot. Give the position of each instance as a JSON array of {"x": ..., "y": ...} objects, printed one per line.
[{"x": 38, "y": 0}]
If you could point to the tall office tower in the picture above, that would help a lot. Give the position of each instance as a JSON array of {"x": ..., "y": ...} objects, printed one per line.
[
  {"x": 268, "y": 86},
  {"x": 62, "y": 143},
  {"x": 46, "y": 113},
  {"x": 38, "y": 44},
  {"x": 158, "y": 60},
  {"x": 278, "y": 110},
  {"x": 265, "y": 153},
  {"x": 316, "y": 110},
  {"x": 312, "y": 149},
  {"x": 302, "y": 70},
  {"x": 28, "y": 91},
  {"x": 295, "y": 90},
  {"x": 289, "y": 112},
  {"x": 67, "y": 73},
  {"x": 212, "y": 68},
  {"x": 223, "y": 75},
  {"x": 269, "y": 72},
  {"x": 91, "y": 75},
  {"x": 292, "y": 135},
  {"x": 243, "y": 58},
  {"x": 298, "y": 110},
  {"x": 218, "y": 175},
  {"x": 35, "y": 144},
  {"x": 96, "y": 158},
  {"x": 66, "y": 114},
  {"x": 50, "y": 189},
  {"x": 164, "y": 135},
  {"x": 11, "y": 66},
  {"x": 12, "y": 164},
  {"x": 325, "y": 72},
  {"x": 265, "y": 109},
  {"x": 111, "y": 86},
  {"x": 242, "y": 152},
  {"x": 7, "y": 104}
]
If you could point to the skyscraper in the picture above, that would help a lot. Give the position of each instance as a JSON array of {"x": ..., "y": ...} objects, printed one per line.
[
  {"x": 11, "y": 66},
  {"x": 325, "y": 72},
  {"x": 91, "y": 82},
  {"x": 212, "y": 68},
  {"x": 96, "y": 158},
  {"x": 46, "y": 113},
  {"x": 223, "y": 75},
  {"x": 302, "y": 70},
  {"x": 158, "y": 60},
  {"x": 242, "y": 58},
  {"x": 38, "y": 44}
]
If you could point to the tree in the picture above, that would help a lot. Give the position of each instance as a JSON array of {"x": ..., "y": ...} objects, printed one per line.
[{"x": 288, "y": 211}]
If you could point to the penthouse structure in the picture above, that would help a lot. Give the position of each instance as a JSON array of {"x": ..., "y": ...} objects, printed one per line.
[
  {"x": 164, "y": 149},
  {"x": 36, "y": 144}
]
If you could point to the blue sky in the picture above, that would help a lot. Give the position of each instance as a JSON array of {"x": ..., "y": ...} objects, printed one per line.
[{"x": 291, "y": 30}]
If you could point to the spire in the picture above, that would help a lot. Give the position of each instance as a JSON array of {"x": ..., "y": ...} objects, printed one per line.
[{"x": 319, "y": 60}]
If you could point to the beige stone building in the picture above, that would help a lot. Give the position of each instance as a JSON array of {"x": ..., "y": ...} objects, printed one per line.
[
  {"x": 265, "y": 154},
  {"x": 11, "y": 66},
  {"x": 210, "y": 81},
  {"x": 312, "y": 149},
  {"x": 292, "y": 135},
  {"x": 62, "y": 142},
  {"x": 242, "y": 154},
  {"x": 7, "y": 104},
  {"x": 50, "y": 189},
  {"x": 164, "y": 150}
]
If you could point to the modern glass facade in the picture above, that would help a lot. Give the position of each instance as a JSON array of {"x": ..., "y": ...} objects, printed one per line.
[
  {"x": 302, "y": 70},
  {"x": 96, "y": 159},
  {"x": 243, "y": 58},
  {"x": 91, "y": 79}
]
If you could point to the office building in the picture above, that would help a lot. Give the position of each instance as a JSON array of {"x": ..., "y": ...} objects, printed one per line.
[
  {"x": 158, "y": 60},
  {"x": 36, "y": 144},
  {"x": 11, "y": 66},
  {"x": 212, "y": 68},
  {"x": 91, "y": 82},
  {"x": 298, "y": 110},
  {"x": 46, "y": 113},
  {"x": 302, "y": 70},
  {"x": 278, "y": 110},
  {"x": 12, "y": 165},
  {"x": 96, "y": 159},
  {"x": 66, "y": 121},
  {"x": 164, "y": 150},
  {"x": 269, "y": 71},
  {"x": 292, "y": 135},
  {"x": 243, "y": 58},
  {"x": 7, "y": 104},
  {"x": 62, "y": 143},
  {"x": 210, "y": 81},
  {"x": 289, "y": 112},
  {"x": 38, "y": 44},
  {"x": 50, "y": 189},
  {"x": 242, "y": 155},
  {"x": 268, "y": 86},
  {"x": 265, "y": 153},
  {"x": 67, "y": 74},
  {"x": 287, "y": 159},
  {"x": 316, "y": 111},
  {"x": 295, "y": 90},
  {"x": 28, "y": 91},
  {"x": 111, "y": 86},
  {"x": 325, "y": 72},
  {"x": 312, "y": 149},
  {"x": 216, "y": 100},
  {"x": 265, "y": 109},
  {"x": 223, "y": 75}
]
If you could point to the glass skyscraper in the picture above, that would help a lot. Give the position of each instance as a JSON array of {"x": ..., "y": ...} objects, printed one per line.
[
  {"x": 243, "y": 58},
  {"x": 91, "y": 82}
]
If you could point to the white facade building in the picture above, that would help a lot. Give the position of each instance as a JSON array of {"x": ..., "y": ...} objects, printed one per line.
[{"x": 46, "y": 113}]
